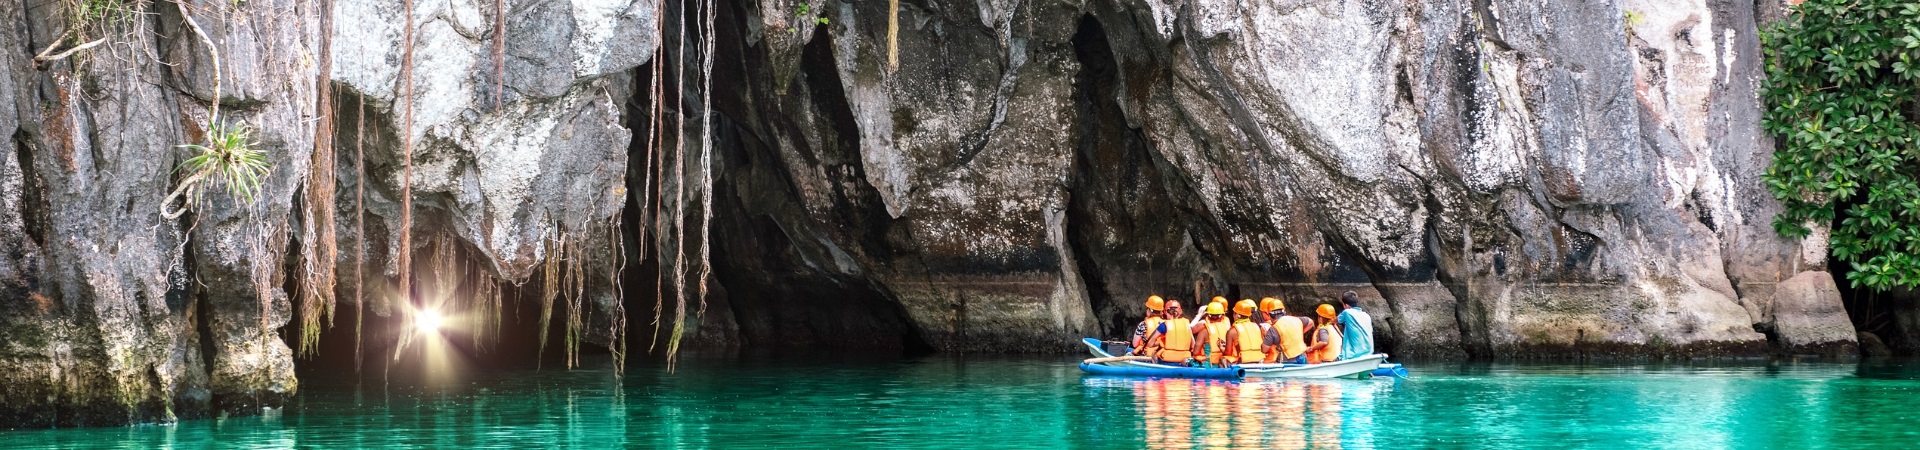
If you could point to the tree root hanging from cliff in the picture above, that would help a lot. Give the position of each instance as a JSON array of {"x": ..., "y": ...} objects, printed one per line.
[
  {"x": 360, "y": 230},
  {"x": 319, "y": 247},
  {"x": 893, "y": 36},
  {"x": 403, "y": 252}
]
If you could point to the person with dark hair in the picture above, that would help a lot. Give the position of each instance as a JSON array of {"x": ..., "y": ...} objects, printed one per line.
[
  {"x": 1356, "y": 328},
  {"x": 1326, "y": 340},
  {"x": 1156, "y": 312}
]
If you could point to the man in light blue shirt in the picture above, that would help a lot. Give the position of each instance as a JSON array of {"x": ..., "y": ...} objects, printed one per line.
[{"x": 1356, "y": 328}]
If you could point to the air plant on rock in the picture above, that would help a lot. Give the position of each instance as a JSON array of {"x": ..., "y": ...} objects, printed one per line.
[{"x": 229, "y": 161}]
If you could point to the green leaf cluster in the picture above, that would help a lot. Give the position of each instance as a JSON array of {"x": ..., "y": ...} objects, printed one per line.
[
  {"x": 230, "y": 161},
  {"x": 805, "y": 13},
  {"x": 1841, "y": 84}
]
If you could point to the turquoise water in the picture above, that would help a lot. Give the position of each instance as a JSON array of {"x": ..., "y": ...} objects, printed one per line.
[{"x": 947, "y": 402}]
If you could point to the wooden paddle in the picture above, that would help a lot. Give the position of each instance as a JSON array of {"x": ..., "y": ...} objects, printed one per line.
[{"x": 1116, "y": 359}]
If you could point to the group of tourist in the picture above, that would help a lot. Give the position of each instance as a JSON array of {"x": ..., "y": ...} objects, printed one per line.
[{"x": 1259, "y": 332}]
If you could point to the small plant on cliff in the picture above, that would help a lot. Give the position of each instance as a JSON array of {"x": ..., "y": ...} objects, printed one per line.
[
  {"x": 229, "y": 161},
  {"x": 804, "y": 13},
  {"x": 89, "y": 23},
  {"x": 1841, "y": 89}
]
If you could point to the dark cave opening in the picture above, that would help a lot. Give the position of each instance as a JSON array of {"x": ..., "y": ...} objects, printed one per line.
[
  {"x": 768, "y": 292},
  {"x": 1122, "y": 221}
]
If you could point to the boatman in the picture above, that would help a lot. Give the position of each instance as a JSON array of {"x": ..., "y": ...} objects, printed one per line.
[
  {"x": 1244, "y": 340},
  {"x": 1326, "y": 339},
  {"x": 1356, "y": 328},
  {"x": 1156, "y": 308},
  {"x": 1287, "y": 334}
]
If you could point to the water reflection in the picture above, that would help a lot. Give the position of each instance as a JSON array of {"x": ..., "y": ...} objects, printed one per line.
[
  {"x": 1251, "y": 413},
  {"x": 1040, "y": 402}
]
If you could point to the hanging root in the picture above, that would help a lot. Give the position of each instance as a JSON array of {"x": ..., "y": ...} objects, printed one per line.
[
  {"x": 360, "y": 230},
  {"x": 893, "y": 35}
]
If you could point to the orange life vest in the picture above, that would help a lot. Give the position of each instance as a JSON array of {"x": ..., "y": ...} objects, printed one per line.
[
  {"x": 1331, "y": 352},
  {"x": 1292, "y": 338},
  {"x": 1249, "y": 340},
  {"x": 1176, "y": 345},
  {"x": 1216, "y": 340}
]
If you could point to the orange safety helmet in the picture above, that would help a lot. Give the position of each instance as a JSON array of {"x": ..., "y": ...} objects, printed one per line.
[
  {"x": 1244, "y": 308},
  {"x": 1155, "y": 303},
  {"x": 1325, "y": 310},
  {"x": 1220, "y": 300},
  {"x": 1270, "y": 304}
]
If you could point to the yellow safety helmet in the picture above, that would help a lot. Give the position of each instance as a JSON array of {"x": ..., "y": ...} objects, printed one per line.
[
  {"x": 1155, "y": 303},
  {"x": 1271, "y": 304},
  {"x": 1244, "y": 308},
  {"x": 1216, "y": 308},
  {"x": 1325, "y": 310}
]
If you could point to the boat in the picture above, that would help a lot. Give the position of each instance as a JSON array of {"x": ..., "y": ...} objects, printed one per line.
[
  {"x": 1147, "y": 369},
  {"x": 1366, "y": 366}
]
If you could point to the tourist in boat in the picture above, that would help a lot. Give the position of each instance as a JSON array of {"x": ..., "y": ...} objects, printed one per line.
[
  {"x": 1200, "y": 313},
  {"x": 1270, "y": 348},
  {"x": 1245, "y": 343},
  {"x": 1326, "y": 339},
  {"x": 1285, "y": 333},
  {"x": 1156, "y": 311},
  {"x": 1172, "y": 341},
  {"x": 1356, "y": 328},
  {"x": 1213, "y": 335}
]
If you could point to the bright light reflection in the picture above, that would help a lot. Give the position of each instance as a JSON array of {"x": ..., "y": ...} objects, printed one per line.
[{"x": 427, "y": 320}]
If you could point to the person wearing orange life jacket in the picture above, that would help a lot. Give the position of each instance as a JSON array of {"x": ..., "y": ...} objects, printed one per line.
[
  {"x": 1172, "y": 341},
  {"x": 1200, "y": 313},
  {"x": 1213, "y": 334},
  {"x": 1270, "y": 350},
  {"x": 1326, "y": 339},
  {"x": 1244, "y": 339},
  {"x": 1287, "y": 334},
  {"x": 1156, "y": 312}
]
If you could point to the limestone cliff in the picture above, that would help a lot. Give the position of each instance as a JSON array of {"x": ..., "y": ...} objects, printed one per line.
[
  {"x": 1509, "y": 178},
  {"x": 1498, "y": 178}
]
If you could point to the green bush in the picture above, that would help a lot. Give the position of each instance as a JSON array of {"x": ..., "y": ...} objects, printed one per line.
[{"x": 1841, "y": 87}]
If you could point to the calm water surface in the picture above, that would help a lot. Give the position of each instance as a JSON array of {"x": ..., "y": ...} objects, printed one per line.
[{"x": 946, "y": 402}]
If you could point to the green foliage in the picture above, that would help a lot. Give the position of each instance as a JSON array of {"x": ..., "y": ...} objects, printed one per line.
[
  {"x": 89, "y": 19},
  {"x": 1841, "y": 87},
  {"x": 805, "y": 13},
  {"x": 230, "y": 160}
]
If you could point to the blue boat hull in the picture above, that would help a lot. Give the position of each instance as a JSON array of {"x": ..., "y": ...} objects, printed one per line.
[
  {"x": 1163, "y": 371},
  {"x": 1390, "y": 370}
]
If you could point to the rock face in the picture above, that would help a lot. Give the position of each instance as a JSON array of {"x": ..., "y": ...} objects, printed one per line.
[
  {"x": 111, "y": 314},
  {"x": 1497, "y": 178},
  {"x": 1803, "y": 316}
]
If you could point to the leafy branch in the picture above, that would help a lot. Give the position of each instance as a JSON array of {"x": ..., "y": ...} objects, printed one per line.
[{"x": 1841, "y": 89}]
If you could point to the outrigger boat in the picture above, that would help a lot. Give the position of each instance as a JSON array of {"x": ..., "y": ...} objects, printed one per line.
[{"x": 1105, "y": 363}]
